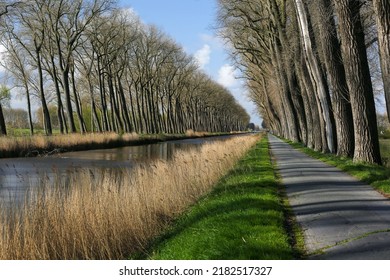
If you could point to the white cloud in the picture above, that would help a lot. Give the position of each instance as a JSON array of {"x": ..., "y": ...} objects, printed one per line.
[
  {"x": 212, "y": 40},
  {"x": 226, "y": 76},
  {"x": 241, "y": 95},
  {"x": 202, "y": 56}
]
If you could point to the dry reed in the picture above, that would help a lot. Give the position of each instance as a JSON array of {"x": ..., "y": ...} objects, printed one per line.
[
  {"x": 192, "y": 133},
  {"x": 110, "y": 215},
  {"x": 37, "y": 144}
]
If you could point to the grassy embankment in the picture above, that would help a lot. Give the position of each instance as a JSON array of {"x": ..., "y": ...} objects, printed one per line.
[
  {"x": 244, "y": 217},
  {"x": 25, "y": 146},
  {"x": 376, "y": 176},
  {"x": 112, "y": 215}
]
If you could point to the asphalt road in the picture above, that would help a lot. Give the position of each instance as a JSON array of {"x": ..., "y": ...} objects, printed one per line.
[{"x": 341, "y": 217}]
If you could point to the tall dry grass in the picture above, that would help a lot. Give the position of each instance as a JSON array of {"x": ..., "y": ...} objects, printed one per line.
[
  {"x": 111, "y": 215},
  {"x": 192, "y": 133},
  {"x": 37, "y": 144}
]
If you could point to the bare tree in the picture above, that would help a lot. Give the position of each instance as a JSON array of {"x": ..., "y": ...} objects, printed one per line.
[
  {"x": 30, "y": 35},
  {"x": 69, "y": 20},
  {"x": 16, "y": 62},
  {"x": 111, "y": 72},
  {"x": 6, "y": 6}
]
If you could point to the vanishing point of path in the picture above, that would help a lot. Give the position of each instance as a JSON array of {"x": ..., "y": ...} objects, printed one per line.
[{"x": 341, "y": 217}]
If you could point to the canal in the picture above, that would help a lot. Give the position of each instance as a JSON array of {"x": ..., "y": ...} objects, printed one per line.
[{"x": 17, "y": 175}]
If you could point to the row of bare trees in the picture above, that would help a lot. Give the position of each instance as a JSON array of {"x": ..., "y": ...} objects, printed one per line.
[
  {"x": 307, "y": 68},
  {"x": 104, "y": 70}
]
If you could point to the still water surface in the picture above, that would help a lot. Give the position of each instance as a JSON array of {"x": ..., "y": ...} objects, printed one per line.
[{"x": 19, "y": 174}]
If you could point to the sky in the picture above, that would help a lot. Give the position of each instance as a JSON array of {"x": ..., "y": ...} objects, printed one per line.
[{"x": 191, "y": 24}]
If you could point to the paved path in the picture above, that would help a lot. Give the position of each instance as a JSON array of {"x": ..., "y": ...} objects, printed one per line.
[{"x": 341, "y": 217}]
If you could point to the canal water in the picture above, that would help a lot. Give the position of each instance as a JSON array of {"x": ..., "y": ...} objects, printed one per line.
[{"x": 20, "y": 174}]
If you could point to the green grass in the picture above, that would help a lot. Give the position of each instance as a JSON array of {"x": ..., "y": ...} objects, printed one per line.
[
  {"x": 243, "y": 218},
  {"x": 22, "y": 132},
  {"x": 376, "y": 176},
  {"x": 385, "y": 151}
]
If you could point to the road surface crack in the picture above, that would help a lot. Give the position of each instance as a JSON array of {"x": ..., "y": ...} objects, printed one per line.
[{"x": 322, "y": 251}]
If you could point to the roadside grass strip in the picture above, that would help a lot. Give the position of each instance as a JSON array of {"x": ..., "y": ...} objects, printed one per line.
[
  {"x": 374, "y": 175},
  {"x": 243, "y": 218}
]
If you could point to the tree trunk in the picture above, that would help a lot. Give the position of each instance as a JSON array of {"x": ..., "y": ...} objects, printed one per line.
[
  {"x": 28, "y": 97},
  {"x": 279, "y": 47},
  {"x": 116, "y": 118},
  {"x": 315, "y": 72},
  {"x": 132, "y": 108},
  {"x": 58, "y": 93},
  {"x": 309, "y": 140},
  {"x": 46, "y": 114},
  {"x": 102, "y": 89},
  {"x": 336, "y": 76},
  {"x": 296, "y": 96},
  {"x": 269, "y": 108},
  {"x": 68, "y": 101},
  {"x": 290, "y": 121},
  {"x": 125, "y": 111},
  {"x": 358, "y": 80},
  {"x": 93, "y": 107},
  {"x": 3, "y": 128},
  {"x": 318, "y": 128},
  {"x": 79, "y": 109},
  {"x": 382, "y": 10}
]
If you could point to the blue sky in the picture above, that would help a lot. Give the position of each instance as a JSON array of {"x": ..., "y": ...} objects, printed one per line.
[{"x": 190, "y": 23}]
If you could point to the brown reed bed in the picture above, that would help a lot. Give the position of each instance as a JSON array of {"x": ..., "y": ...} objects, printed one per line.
[
  {"x": 38, "y": 145},
  {"x": 111, "y": 214},
  {"x": 27, "y": 146}
]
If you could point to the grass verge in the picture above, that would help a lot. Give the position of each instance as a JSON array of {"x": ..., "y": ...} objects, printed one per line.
[
  {"x": 384, "y": 145},
  {"x": 242, "y": 218},
  {"x": 374, "y": 175}
]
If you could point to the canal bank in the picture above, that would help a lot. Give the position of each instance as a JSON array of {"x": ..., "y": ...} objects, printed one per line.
[
  {"x": 115, "y": 214},
  {"x": 243, "y": 218},
  {"x": 40, "y": 145},
  {"x": 20, "y": 174}
]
